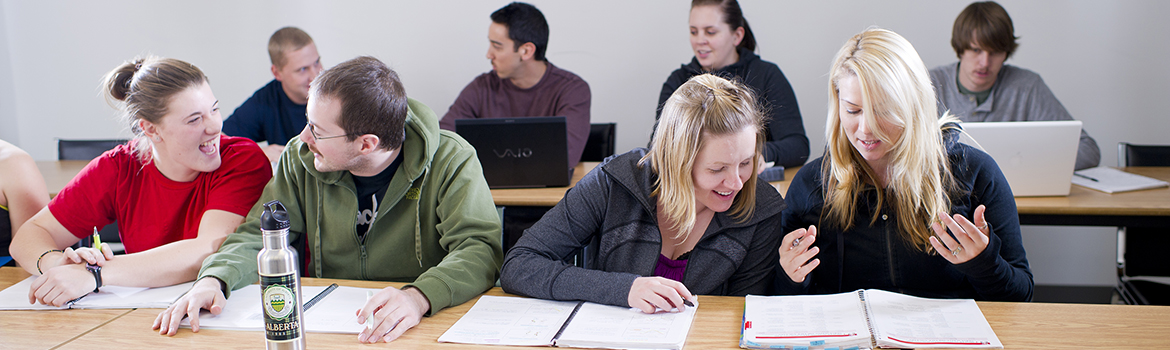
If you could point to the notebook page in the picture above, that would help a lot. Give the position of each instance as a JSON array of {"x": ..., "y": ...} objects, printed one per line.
[
  {"x": 510, "y": 321},
  {"x": 615, "y": 327},
  {"x": 911, "y": 322},
  {"x": 805, "y": 320},
  {"x": 1109, "y": 180},
  {"x": 15, "y": 297},
  {"x": 337, "y": 312}
]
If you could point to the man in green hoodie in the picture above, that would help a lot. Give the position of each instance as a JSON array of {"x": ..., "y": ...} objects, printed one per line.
[{"x": 377, "y": 192}]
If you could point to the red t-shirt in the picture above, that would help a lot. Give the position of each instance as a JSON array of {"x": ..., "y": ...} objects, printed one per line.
[{"x": 151, "y": 209}]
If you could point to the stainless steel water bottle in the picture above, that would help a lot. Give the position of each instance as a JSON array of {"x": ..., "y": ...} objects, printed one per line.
[{"x": 280, "y": 285}]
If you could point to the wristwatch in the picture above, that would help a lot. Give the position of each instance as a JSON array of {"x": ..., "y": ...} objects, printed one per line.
[{"x": 97, "y": 275}]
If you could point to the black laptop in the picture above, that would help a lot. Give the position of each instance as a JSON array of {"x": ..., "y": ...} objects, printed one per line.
[{"x": 519, "y": 152}]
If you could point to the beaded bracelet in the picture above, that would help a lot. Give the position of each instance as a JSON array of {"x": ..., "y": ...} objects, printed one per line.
[{"x": 43, "y": 255}]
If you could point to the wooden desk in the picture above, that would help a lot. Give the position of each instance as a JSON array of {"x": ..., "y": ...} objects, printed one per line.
[
  {"x": 716, "y": 326},
  {"x": 45, "y": 329},
  {"x": 58, "y": 173},
  {"x": 1083, "y": 206},
  {"x": 540, "y": 197},
  {"x": 1018, "y": 325}
]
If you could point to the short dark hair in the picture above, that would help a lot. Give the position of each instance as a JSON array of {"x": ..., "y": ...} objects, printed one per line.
[
  {"x": 986, "y": 23},
  {"x": 372, "y": 99},
  {"x": 525, "y": 24}
]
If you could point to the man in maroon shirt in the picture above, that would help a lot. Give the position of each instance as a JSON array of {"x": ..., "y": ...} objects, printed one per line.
[{"x": 522, "y": 82}]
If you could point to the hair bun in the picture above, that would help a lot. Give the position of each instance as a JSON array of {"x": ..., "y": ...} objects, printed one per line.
[{"x": 120, "y": 79}]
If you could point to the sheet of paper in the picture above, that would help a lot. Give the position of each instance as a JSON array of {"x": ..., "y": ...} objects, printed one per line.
[
  {"x": 911, "y": 322},
  {"x": 337, "y": 312},
  {"x": 510, "y": 321},
  {"x": 122, "y": 292},
  {"x": 606, "y": 326},
  {"x": 333, "y": 314},
  {"x": 15, "y": 297},
  {"x": 1111, "y": 180}
]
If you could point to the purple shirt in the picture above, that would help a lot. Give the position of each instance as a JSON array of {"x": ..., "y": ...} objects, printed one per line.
[
  {"x": 559, "y": 93},
  {"x": 672, "y": 269}
]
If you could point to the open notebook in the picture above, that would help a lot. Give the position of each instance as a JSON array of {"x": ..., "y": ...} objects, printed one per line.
[
  {"x": 109, "y": 297},
  {"x": 864, "y": 319},
  {"x": 536, "y": 322},
  {"x": 334, "y": 312}
]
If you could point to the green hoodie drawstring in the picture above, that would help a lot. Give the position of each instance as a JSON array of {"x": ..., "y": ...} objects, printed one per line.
[
  {"x": 317, "y": 263},
  {"x": 417, "y": 219}
]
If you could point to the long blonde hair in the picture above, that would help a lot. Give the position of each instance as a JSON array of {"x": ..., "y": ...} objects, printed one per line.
[
  {"x": 896, "y": 89},
  {"x": 710, "y": 105}
]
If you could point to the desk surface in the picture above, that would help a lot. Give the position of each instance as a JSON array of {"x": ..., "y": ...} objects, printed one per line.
[
  {"x": 540, "y": 197},
  {"x": 1080, "y": 201},
  {"x": 1084, "y": 201},
  {"x": 1018, "y": 325},
  {"x": 45, "y": 329}
]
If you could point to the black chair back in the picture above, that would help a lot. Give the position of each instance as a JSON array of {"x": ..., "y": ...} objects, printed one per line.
[
  {"x": 1142, "y": 155},
  {"x": 84, "y": 149},
  {"x": 600, "y": 143},
  {"x": 1142, "y": 247}
]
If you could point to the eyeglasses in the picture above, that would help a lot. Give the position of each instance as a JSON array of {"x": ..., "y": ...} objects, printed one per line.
[{"x": 313, "y": 131}]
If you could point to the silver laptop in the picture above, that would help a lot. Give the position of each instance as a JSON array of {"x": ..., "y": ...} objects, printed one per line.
[{"x": 1037, "y": 158}]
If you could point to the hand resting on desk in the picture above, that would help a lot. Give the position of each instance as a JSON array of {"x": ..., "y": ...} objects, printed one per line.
[
  {"x": 395, "y": 311},
  {"x": 651, "y": 293},
  {"x": 207, "y": 293},
  {"x": 65, "y": 277}
]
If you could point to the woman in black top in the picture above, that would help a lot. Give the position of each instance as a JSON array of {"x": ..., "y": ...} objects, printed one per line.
[{"x": 723, "y": 43}]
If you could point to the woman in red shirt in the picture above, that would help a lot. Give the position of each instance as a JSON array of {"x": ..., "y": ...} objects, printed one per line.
[{"x": 176, "y": 190}]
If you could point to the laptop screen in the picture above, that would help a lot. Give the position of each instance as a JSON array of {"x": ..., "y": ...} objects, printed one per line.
[{"x": 519, "y": 152}]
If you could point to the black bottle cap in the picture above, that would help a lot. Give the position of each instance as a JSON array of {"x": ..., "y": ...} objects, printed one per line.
[{"x": 274, "y": 217}]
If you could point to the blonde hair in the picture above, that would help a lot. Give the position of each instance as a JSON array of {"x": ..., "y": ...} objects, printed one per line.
[
  {"x": 284, "y": 40},
  {"x": 706, "y": 105},
  {"x": 895, "y": 88}
]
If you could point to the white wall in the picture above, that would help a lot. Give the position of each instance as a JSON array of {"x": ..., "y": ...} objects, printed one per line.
[
  {"x": 1101, "y": 58},
  {"x": 8, "y": 121}
]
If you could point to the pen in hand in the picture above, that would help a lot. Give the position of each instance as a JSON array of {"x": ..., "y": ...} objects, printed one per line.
[{"x": 97, "y": 240}]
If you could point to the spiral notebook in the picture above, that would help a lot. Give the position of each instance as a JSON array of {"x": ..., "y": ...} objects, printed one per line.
[
  {"x": 333, "y": 312},
  {"x": 864, "y": 319},
  {"x": 536, "y": 322}
]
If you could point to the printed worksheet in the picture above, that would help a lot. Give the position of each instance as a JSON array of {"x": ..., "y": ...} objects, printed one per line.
[
  {"x": 805, "y": 320},
  {"x": 510, "y": 321},
  {"x": 614, "y": 327},
  {"x": 906, "y": 321}
]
